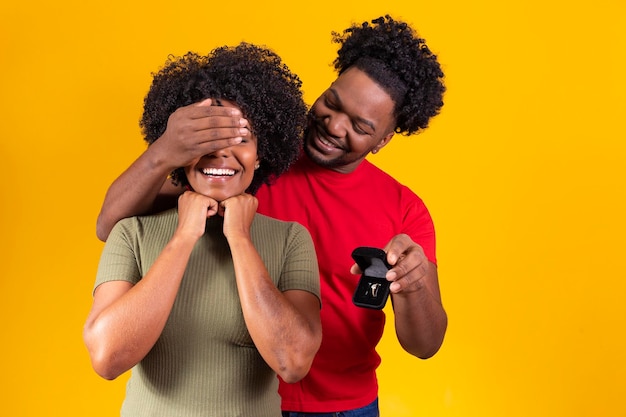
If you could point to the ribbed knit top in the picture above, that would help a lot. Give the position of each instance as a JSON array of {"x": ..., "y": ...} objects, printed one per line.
[{"x": 205, "y": 363}]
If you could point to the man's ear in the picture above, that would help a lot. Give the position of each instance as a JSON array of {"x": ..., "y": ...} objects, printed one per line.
[{"x": 384, "y": 141}]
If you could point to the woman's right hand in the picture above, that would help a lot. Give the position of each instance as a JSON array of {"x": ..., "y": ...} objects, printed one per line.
[{"x": 193, "y": 210}]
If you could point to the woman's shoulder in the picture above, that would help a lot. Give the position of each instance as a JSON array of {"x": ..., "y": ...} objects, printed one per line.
[
  {"x": 271, "y": 222},
  {"x": 138, "y": 225},
  {"x": 270, "y": 225}
]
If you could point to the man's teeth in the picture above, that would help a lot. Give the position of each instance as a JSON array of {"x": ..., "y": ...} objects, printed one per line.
[
  {"x": 218, "y": 171},
  {"x": 326, "y": 142}
]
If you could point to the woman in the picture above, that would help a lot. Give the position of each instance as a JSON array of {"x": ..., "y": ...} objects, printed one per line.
[{"x": 209, "y": 301}]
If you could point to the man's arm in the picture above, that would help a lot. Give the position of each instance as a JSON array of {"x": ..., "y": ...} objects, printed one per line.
[
  {"x": 420, "y": 318},
  {"x": 135, "y": 192},
  {"x": 192, "y": 131}
]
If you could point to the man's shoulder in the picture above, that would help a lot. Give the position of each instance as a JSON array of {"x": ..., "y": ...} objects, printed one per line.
[{"x": 373, "y": 172}]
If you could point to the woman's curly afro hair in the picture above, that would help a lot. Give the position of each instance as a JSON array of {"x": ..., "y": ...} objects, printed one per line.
[
  {"x": 253, "y": 77},
  {"x": 391, "y": 53}
]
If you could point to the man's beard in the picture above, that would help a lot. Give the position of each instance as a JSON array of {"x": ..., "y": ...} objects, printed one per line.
[{"x": 313, "y": 154}]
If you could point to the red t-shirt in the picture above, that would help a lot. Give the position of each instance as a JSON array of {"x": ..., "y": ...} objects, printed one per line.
[{"x": 366, "y": 207}]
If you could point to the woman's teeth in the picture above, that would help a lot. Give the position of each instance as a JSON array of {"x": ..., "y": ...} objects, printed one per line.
[{"x": 218, "y": 172}]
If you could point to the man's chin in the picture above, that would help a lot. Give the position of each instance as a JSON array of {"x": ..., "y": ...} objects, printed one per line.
[{"x": 319, "y": 158}]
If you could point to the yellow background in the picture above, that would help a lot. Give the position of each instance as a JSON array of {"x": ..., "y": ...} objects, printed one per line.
[{"x": 523, "y": 171}]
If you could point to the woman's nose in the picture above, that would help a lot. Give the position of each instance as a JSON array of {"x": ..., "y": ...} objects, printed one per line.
[{"x": 222, "y": 152}]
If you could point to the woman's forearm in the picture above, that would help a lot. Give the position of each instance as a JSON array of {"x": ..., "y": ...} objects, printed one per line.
[{"x": 287, "y": 336}]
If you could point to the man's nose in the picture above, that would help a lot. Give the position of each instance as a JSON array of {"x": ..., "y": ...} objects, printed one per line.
[{"x": 336, "y": 125}]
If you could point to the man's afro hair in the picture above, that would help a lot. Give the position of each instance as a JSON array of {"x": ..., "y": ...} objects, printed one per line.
[{"x": 391, "y": 53}]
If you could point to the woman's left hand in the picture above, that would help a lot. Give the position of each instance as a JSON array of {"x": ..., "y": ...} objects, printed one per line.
[{"x": 238, "y": 212}]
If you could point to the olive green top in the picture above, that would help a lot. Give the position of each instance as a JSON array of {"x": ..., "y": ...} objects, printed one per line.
[{"x": 205, "y": 363}]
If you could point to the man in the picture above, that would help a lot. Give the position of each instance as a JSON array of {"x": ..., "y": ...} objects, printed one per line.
[{"x": 389, "y": 82}]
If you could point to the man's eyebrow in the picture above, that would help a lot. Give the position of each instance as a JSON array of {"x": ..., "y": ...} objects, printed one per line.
[{"x": 358, "y": 118}]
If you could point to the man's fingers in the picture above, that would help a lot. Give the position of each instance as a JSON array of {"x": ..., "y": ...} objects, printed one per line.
[
  {"x": 354, "y": 269},
  {"x": 238, "y": 126},
  {"x": 209, "y": 146},
  {"x": 220, "y": 137},
  {"x": 398, "y": 246},
  {"x": 205, "y": 103},
  {"x": 197, "y": 111}
]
